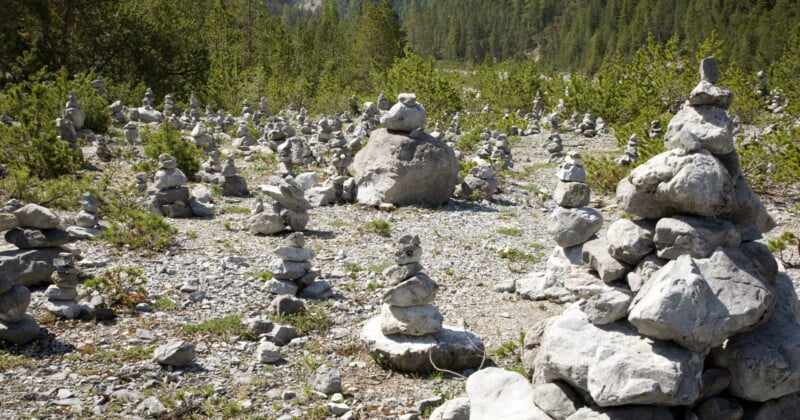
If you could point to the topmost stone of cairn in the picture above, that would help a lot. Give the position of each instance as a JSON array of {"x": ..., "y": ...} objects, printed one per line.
[{"x": 709, "y": 71}]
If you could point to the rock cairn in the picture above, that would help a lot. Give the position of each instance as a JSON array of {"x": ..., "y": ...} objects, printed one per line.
[
  {"x": 233, "y": 185},
  {"x": 630, "y": 154},
  {"x": 87, "y": 217},
  {"x": 290, "y": 208},
  {"x": 99, "y": 85},
  {"x": 201, "y": 137},
  {"x": 194, "y": 106},
  {"x": 655, "y": 132},
  {"x": 553, "y": 145},
  {"x": 62, "y": 295},
  {"x": 588, "y": 126},
  {"x": 401, "y": 164},
  {"x": 480, "y": 183},
  {"x": 409, "y": 334},
  {"x": 131, "y": 132},
  {"x": 383, "y": 103},
  {"x": 117, "y": 110},
  {"x": 243, "y": 138},
  {"x": 169, "y": 106},
  {"x": 172, "y": 196},
  {"x": 211, "y": 170},
  {"x": 292, "y": 273},
  {"x": 73, "y": 112},
  {"x": 687, "y": 316}
]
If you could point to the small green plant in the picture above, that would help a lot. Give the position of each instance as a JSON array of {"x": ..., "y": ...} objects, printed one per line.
[
  {"x": 353, "y": 267},
  {"x": 191, "y": 234},
  {"x": 603, "y": 174},
  {"x": 265, "y": 275},
  {"x": 169, "y": 140},
  {"x": 10, "y": 361},
  {"x": 338, "y": 223},
  {"x": 235, "y": 209},
  {"x": 508, "y": 231},
  {"x": 781, "y": 244},
  {"x": 121, "y": 286},
  {"x": 311, "y": 362},
  {"x": 381, "y": 227},
  {"x": 378, "y": 268},
  {"x": 139, "y": 229},
  {"x": 464, "y": 167},
  {"x": 163, "y": 303},
  {"x": 222, "y": 327},
  {"x": 372, "y": 286},
  {"x": 516, "y": 255},
  {"x": 468, "y": 141},
  {"x": 264, "y": 163},
  {"x": 314, "y": 319}
]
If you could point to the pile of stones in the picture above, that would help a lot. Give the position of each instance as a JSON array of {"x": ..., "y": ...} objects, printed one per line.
[
  {"x": 233, "y": 184},
  {"x": 480, "y": 183},
  {"x": 201, "y": 137},
  {"x": 401, "y": 164},
  {"x": 683, "y": 313},
  {"x": 655, "y": 132},
  {"x": 62, "y": 296},
  {"x": 172, "y": 198},
  {"x": 554, "y": 147},
  {"x": 630, "y": 154},
  {"x": 289, "y": 210},
  {"x": 87, "y": 217},
  {"x": 292, "y": 275},
  {"x": 588, "y": 126},
  {"x": 409, "y": 335}
]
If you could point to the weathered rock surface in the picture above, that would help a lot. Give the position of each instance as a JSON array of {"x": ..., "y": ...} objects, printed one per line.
[
  {"x": 698, "y": 238},
  {"x": 496, "y": 393},
  {"x": 710, "y": 127},
  {"x": 36, "y": 217},
  {"x": 630, "y": 240},
  {"x": 412, "y": 320},
  {"x": 596, "y": 256},
  {"x": 417, "y": 290},
  {"x": 175, "y": 353},
  {"x": 574, "y": 226}
]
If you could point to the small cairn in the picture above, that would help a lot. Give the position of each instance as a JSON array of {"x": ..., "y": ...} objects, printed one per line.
[
  {"x": 292, "y": 272},
  {"x": 575, "y": 122},
  {"x": 290, "y": 210},
  {"x": 247, "y": 109},
  {"x": 328, "y": 129},
  {"x": 263, "y": 109},
  {"x": 62, "y": 295},
  {"x": 117, "y": 110},
  {"x": 538, "y": 106},
  {"x": 201, "y": 136},
  {"x": 211, "y": 170},
  {"x": 553, "y": 145},
  {"x": 409, "y": 335},
  {"x": 74, "y": 113},
  {"x": 194, "y": 107},
  {"x": 99, "y": 85},
  {"x": 243, "y": 138},
  {"x": 480, "y": 183},
  {"x": 146, "y": 113},
  {"x": 588, "y": 127},
  {"x": 131, "y": 131},
  {"x": 383, "y": 103},
  {"x": 501, "y": 150},
  {"x": 87, "y": 217},
  {"x": 169, "y": 106},
  {"x": 172, "y": 196},
  {"x": 655, "y": 130},
  {"x": 140, "y": 181},
  {"x": 234, "y": 184},
  {"x": 16, "y": 326},
  {"x": 631, "y": 153},
  {"x": 602, "y": 129}
]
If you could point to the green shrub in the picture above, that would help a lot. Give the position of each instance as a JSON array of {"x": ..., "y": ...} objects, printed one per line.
[
  {"x": 467, "y": 141},
  {"x": 314, "y": 319},
  {"x": 381, "y": 227},
  {"x": 773, "y": 162},
  {"x": 139, "y": 229},
  {"x": 169, "y": 140},
  {"x": 603, "y": 174},
  {"x": 121, "y": 286}
]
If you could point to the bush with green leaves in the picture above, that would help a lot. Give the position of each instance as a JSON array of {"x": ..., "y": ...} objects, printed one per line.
[
  {"x": 138, "y": 229},
  {"x": 121, "y": 286},
  {"x": 170, "y": 141},
  {"x": 773, "y": 161}
]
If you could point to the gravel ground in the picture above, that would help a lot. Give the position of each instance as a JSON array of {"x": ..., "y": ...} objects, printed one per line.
[{"x": 88, "y": 368}]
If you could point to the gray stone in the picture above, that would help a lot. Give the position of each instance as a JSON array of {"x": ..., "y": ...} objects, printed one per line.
[
  {"x": 607, "y": 307},
  {"x": 34, "y": 238},
  {"x": 616, "y": 365},
  {"x": 643, "y": 271},
  {"x": 706, "y": 93},
  {"x": 719, "y": 408},
  {"x": 785, "y": 407},
  {"x": 321, "y": 196},
  {"x": 317, "y": 290},
  {"x": 9, "y": 267},
  {"x": 202, "y": 193},
  {"x": 85, "y": 219},
  {"x": 417, "y": 290},
  {"x": 574, "y": 226},
  {"x": 397, "y": 273},
  {"x": 151, "y": 405},
  {"x": 280, "y": 287},
  {"x": 762, "y": 259},
  {"x": 294, "y": 254},
  {"x": 746, "y": 208},
  {"x": 676, "y": 182},
  {"x": 622, "y": 413},
  {"x": 173, "y": 194},
  {"x": 406, "y": 115},
  {"x": 175, "y": 353},
  {"x": 326, "y": 380},
  {"x": 713, "y": 382},
  {"x": 68, "y": 309},
  {"x": 308, "y": 278},
  {"x": 412, "y": 320},
  {"x": 699, "y": 303},
  {"x": 177, "y": 210},
  {"x": 306, "y": 180},
  {"x": 496, "y": 393},
  {"x": 89, "y": 203},
  {"x": 169, "y": 178},
  {"x": 267, "y": 352},
  {"x": 259, "y": 324},
  {"x": 295, "y": 240},
  {"x": 8, "y": 221},
  {"x": 453, "y": 409},
  {"x": 710, "y": 126},
  {"x": 14, "y": 303},
  {"x": 288, "y": 194},
  {"x": 709, "y": 70},
  {"x": 401, "y": 170},
  {"x": 31, "y": 267},
  {"x": 235, "y": 186},
  {"x": 22, "y": 332},
  {"x": 200, "y": 209},
  {"x": 557, "y": 399},
  {"x": 297, "y": 221},
  {"x": 283, "y": 334},
  {"x": 596, "y": 256},
  {"x": 571, "y": 173},
  {"x": 572, "y": 194},
  {"x": 698, "y": 238},
  {"x": 54, "y": 292},
  {"x": 36, "y": 217},
  {"x": 630, "y": 240},
  {"x": 408, "y": 254},
  {"x": 762, "y": 362},
  {"x": 289, "y": 270},
  {"x": 265, "y": 224}
]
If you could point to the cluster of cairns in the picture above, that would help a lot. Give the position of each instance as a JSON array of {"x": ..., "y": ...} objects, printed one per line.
[
  {"x": 225, "y": 175},
  {"x": 290, "y": 209},
  {"x": 682, "y": 312},
  {"x": 494, "y": 147},
  {"x": 172, "y": 197},
  {"x": 292, "y": 275},
  {"x": 409, "y": 334}
]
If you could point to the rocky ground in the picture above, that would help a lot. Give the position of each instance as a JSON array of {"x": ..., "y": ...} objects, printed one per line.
[{"x": 88, "y": 368}]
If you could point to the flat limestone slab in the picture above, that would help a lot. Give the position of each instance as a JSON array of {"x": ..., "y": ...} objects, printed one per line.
[{"x": 451, "y": 348}]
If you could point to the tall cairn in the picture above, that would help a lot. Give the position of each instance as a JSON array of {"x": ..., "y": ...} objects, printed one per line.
[{"x": 690, "y": 316}]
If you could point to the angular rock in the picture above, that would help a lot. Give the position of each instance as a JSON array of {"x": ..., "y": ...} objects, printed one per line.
[
  {"x": 295, "y": 240},
  {"x": 280, "y": 287},
  {"x": 401, "y": 170},
  {"x": 622, "y": 413},
  {"x": 699, "y": 303},
  {"x": 54, "y": 292},
  {"x": 746, "y": 208},
  {"x": 596, "y": 256},
  {"x": 709, "y": 70},
  {"x": 676, "y": 182},
  {"x": 406, "y": 115},
  {"x": 289, "y": 270},
  {"x": 568, "y": 172},
  {"x": 200, "y": 209},
  {"x": 36, "y": 217},
  {"x": 496, "y": 393},
  {"x": 9, "y": 268},
  {"x": 321, "y": 196},
  {"x": 417, "y": 290},
  {"x": 572, "y": 194},
  {"x": 616, "y": 365},
  {"x": 173, "y": 194},
  {"x": 169, "y": 178},
  {"x": 30, "y": 267},
  {"x": 294, "y": 254},
  {"x": 785, "y": 407},
  {"x": 22, "y": 332},
  {"x": 177, "y": 210},
  {"x": 267, "y": 352},
  {"x": 283, "y": 334},
  {"x": 719, "y": 408},
  {"x": 557, "y": 399},
  {"x": 412, "y": 320},
  {"x": 630, "y": 240},
  {"x": 326, "y": 380},
  {"x": 698, "y": 238},
  {"x": 14, "y": 303},
  {"x": 452, "y": 409},
  {"x": 574, "y": 226},
  {"x": 607, "y": 307},
  {"x": 68, "y": 309},
  {"x": 762, "y": 259},
  {"x": 33, "y": 238},
  {"x": 8, "y": 221},
  {"x": 175, "y": 353},
  {"x": 397, "y": 273},
  {"x": 643, "y": 271},
  {"x": 265, "y": 224},
  {"x": 710, "y": 126},
  {"x": 762, "y": 362},
  {"x": 297, "y": 221},
  {"x": 706, "y": 93},
  {"x": 317, "y": 290}
]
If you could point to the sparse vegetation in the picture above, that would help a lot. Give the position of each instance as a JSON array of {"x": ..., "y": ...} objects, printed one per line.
[
  {"x": 137, "y": 229},
  {"x": 222, "y": 327},
  {"x": 787, "y": 248},
  {"x": 314, "y": 319},
  {"x": 120, "y": 286},
  {"x": 510, "y": 231},
  {"x": 381, "y": 227},
  {"x": 516, "y": 255}
]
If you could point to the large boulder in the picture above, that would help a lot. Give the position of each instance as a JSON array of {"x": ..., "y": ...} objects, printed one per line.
[
  {"x": 699, "y": 303},
  {"x": 701, "y": 127},
  {"x": 29, "y": 267},
  {"x": 402, "y": 170},
  {"x": 574, "y": 226},
  {"x": 763, "y": 362},
  {"x": 616, "y": 365}
]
